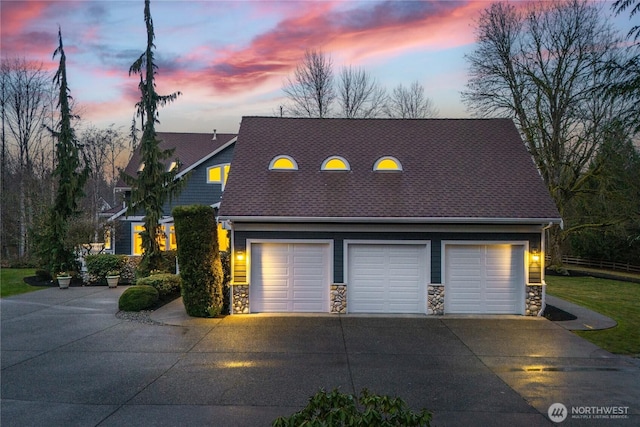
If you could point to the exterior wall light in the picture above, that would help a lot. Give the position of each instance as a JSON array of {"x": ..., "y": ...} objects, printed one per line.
[
  {"x": 535, "y": 256},
  {"x": 240, "y": 256}
]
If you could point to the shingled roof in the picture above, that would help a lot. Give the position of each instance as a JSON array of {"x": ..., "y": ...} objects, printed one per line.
[
  {"x": 190, "y": 149},
  {"x": 471, "y": 170}
]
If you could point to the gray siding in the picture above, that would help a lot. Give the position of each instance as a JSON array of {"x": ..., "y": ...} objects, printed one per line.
[
  {"x": 195, "y": 191},
  {"x": 338, "y": 246}
]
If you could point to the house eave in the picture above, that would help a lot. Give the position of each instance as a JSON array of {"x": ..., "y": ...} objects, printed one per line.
[{"x": 392, "y": 220}]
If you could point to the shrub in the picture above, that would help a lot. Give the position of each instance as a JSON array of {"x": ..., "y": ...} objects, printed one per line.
[
  {"x": 139, "y": 297},
  {"x": 128, "y": 272},
  {"x": 339, "y": 409},
  {"x": 99, "y": 265},
  {"x": 225, "y": 259},
  {"x": 200, "y": 265},
  {"x": 167, "y": 264},
  {"x": 166, "y": 284}
]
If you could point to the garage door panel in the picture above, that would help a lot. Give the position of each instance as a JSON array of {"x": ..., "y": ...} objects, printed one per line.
[
  {"x": 484, "y": 278},
  {"x": 386, "y": 278},
  {"x": 289, "y": 277}
]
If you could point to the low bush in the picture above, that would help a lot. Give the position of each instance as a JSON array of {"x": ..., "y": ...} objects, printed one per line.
[
  {"x": 167, "y": 285},
  {"x": 139, "y": 297},
  {"x": 339, "y": 409}
]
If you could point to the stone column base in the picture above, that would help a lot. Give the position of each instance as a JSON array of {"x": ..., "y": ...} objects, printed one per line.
[
  {"x": 240, "y": 299},
  {"x": 534, "y": 299},
  {"x": 338, "y": 298},
  {"x": 435, "y": 300}
]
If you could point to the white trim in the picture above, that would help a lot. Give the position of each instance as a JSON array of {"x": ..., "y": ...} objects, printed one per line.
[
  {"x": 386, "y": 220},
  {"x": 330, "y": 158},
  {"x": 117, "y": 214},
  {"x": 525, "y": 264},
  {"x": 207, "y": 157}
]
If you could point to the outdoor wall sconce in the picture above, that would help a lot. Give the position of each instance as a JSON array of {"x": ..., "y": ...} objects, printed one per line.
[
  {"x": 240, "y": 255},
  {"x": 535, "y": 256}
]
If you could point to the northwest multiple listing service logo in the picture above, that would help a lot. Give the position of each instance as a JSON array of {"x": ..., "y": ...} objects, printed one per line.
[{"x": 558, "y": 412}]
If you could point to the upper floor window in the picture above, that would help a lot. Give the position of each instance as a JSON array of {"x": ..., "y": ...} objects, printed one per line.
[
  {"x": 283, "y": 163},
  {"x": 387, "y": 163},
  {"x": 335, "y": 163},
  {"x": 172, "y": 166},
  {"x": 141, "y": 167},
  {"x": 218, "y": 174}
]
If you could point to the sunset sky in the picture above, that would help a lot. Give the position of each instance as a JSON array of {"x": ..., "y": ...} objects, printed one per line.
[{"x": 230, "y": 58}]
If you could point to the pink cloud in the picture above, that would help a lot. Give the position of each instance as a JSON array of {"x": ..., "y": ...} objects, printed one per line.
[{"x": 367, "y": 31}]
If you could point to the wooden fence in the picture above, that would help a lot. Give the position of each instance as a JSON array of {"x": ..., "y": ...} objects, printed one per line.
[{"x": 603, "y": 265}]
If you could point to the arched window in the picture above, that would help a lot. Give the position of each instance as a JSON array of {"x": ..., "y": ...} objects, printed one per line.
[
  {"x": 283, "y": 163},
  {"x": 387, "y": 163},
  {"x": 335, "y": 163}
]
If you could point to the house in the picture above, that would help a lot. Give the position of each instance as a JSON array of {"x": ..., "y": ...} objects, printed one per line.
[
  {"x": 429, "y": 216},
  {"x": 205, "y": 157}
]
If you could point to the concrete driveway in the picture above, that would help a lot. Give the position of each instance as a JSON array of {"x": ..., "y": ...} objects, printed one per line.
[{"x": 67, "y": 360}]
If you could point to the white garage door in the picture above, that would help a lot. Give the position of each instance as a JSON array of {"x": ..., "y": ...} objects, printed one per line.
[
  {"x": 484, "y": 279},
  {"x": 289, "y": 277},
  {"x": 386, "y": 278}
]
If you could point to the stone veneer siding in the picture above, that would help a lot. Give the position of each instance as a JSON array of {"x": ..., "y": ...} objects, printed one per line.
[
  {"x": 435, "y": 300},
  {"x": 533, "y": 302},
  {"x": 240, "y": 299},
  {"x": 338, "y": 298}
]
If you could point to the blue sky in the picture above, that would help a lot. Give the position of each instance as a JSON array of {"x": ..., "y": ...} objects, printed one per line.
[{"x": 230, "y": 58}]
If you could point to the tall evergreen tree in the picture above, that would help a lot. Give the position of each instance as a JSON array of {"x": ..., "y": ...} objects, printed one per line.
[
  {"x": 154, "y": 185},
  {"x": 70, "y": 174}
]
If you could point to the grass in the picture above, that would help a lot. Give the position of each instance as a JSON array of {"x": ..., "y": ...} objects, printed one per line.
[
  {"x": 11, "y": 282},
  {"x": 615, "y": 299}
]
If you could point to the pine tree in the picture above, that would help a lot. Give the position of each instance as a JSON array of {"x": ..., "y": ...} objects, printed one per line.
[
  {"x": 70, "y": 173},
  {"x": 154, "y": 185}
]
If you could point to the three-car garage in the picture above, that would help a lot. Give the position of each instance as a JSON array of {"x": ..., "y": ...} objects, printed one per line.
[{"x": 387, "y": 276}]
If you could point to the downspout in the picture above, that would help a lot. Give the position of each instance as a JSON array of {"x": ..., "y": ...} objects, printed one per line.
[{"x": 543, "y": 306}]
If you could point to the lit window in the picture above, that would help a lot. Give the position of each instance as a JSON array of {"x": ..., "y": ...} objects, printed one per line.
[
  {"x": 283, "y": 163},
  {"x": 162, "y": 238},
  {"x": 387, "y": 163},
  {"x": 218, "y": 174},
  {"x": 335, "y": 163},
  {"x": 172, "y": 166},
  {"x": 223, "y": 238},
  {"x": 141, "y": 167},
  {"x": 107, "y": 239}
]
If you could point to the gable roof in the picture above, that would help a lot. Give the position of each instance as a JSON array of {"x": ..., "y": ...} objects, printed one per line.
[
  {"x": 454, "y": 170},
  {"x": 190, "y": 148}
]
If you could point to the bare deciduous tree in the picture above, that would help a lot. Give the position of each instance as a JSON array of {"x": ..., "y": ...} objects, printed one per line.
[
  {"x": 543, "y": 67},
  {"x": 410, "y": 103},
  {"x": 359, "y": 94},
  {"x": 310, "y": 90},
  {"x": 27, "y": 98}
]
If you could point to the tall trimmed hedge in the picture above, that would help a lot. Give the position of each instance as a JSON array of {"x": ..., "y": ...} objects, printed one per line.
[{"x": 199, "y": 259}]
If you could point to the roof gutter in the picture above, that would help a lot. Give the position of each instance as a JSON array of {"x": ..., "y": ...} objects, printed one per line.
[{"x": 389, "y": 220}]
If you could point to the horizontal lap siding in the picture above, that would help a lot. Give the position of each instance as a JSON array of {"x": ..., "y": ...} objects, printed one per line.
[{"x": 338, "y": 238}]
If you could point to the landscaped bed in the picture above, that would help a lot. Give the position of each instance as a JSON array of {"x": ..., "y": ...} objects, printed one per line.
[{"x": 613, "y": 298}]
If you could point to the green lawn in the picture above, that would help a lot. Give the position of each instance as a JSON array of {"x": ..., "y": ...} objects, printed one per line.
[
  {"x": 11, "y": 282},
  {"x": 618, "y": 300}
]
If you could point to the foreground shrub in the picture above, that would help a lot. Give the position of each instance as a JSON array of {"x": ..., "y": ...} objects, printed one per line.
[
  {"x": 199, "y": 259},
  {"x": 166, "y": 284},
  {"x": 339, "y": 409},
  {"x": 139, "y": 297}
]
